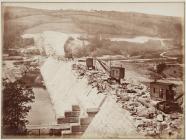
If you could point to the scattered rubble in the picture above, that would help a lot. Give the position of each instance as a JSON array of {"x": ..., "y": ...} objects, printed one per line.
[{"x": 135, "y": 98}]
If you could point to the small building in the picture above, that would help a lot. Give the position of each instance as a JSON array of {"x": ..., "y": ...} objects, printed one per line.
[
  {"x": 90, "y": 63},
  {"x": 117, "y": 73},
  {"x": 162, "y": 91}
]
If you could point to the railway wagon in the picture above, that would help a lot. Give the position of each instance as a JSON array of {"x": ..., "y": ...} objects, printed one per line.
[{"x": 90, "y": 63}]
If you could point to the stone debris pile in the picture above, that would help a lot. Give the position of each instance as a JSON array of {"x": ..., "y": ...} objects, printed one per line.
[{"x": 135, "y": 98}]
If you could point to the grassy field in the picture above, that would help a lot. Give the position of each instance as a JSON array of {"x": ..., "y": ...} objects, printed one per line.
[{"x": 19, "y": 20}]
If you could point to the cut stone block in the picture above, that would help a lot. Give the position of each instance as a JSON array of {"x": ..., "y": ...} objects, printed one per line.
[
  {"x": 57, "y": 132},
  {"x": 44, "y": 131},
  {"x": 85, "y": 121},
  {"x": 79, "y": 128},
  {"x": 92, "y": 111},
  {"x": 72, "y": 113},
  {"x": 68, "y": 120},
  {"x": 75, "y": 108}
]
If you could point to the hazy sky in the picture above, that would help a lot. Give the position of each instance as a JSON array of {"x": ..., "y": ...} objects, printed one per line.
[{"x": 168, "y": 9}]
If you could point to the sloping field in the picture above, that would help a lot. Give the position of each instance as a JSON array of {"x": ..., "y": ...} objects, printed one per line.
[
  {"x": 14, "y": 12},
  {"x": 65, "y": 27},
  {"x": 126, "y": 24},
  {"x": 30, "y": 21}
]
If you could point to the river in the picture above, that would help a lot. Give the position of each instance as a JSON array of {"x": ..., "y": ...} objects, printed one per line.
[{"x": 140, "y": 39}]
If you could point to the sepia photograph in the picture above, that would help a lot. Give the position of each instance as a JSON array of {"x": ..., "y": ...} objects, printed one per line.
[{"x": 93, "y": 70}]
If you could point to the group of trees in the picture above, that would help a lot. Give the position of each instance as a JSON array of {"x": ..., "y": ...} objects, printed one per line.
[
  {"x": 16, "y": 96},
  {"x": 161, "y": 67},
  {"x": 67, "y": 48},
  {"x": 157, "y": 73}
]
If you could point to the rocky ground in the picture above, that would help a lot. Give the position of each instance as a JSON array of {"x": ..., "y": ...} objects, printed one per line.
[{"x": 135, "y": 98}]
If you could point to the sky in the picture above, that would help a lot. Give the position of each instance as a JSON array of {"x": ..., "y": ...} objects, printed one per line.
[{"x": 167, "y": 9}]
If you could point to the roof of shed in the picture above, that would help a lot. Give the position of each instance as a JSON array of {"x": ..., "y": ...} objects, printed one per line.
[{"x": 162, "y": 83}]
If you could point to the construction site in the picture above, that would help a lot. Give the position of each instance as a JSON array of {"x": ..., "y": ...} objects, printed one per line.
[
  {"x": 92, "y": 76},
  {"x": 93, "y": 99}
]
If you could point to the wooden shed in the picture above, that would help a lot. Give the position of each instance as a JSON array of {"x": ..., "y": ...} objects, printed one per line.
[
  {"x": 117, "y": 73},
  {"x": 162, "y": 91}
]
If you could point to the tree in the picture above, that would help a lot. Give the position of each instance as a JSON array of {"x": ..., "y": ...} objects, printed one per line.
[
  {"x": 16, "y": 96},
  {"x": 161, "y": 67},
  {"x": 67, "y": 48}
]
